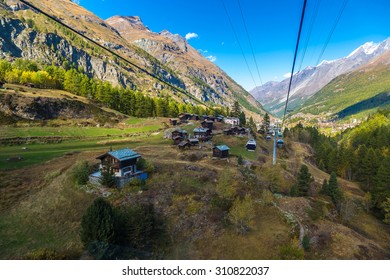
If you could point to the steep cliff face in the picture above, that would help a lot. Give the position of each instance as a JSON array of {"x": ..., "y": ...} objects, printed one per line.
[{"x": 28, "y": 34}]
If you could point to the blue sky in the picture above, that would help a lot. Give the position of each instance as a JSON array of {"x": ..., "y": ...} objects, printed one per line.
[{"x": 272, "y": 28}]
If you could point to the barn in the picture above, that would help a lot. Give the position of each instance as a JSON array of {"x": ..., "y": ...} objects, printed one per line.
[{"x": 221, "y": 151}]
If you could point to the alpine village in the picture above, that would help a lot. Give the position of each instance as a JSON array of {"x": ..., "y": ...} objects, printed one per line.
[{"x": 118, "y": 142}]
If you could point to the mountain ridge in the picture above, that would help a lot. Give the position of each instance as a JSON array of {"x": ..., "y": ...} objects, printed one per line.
[
  {"x": 46, "y": 41},
  {"x": 312, "y": 79}
]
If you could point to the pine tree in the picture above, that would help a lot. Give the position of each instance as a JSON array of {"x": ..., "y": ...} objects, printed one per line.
[
  {"x": 334, "y": 191},
  {"x": 107, "y": 178},
  {"x": 242, "y": 118},
  {"x": 325, "y": 187},
  {"x": 304, "y": 180},
  {"x": 266, "y": 122},
  {"x": 98, "y": 228},
  {"x": 381, "y": 189},
  {"x": 236, "y": 110}
]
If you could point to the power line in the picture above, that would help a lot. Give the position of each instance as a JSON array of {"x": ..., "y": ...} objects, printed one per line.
[
  {"x": 238, "y": 42},
  {"x": 295, "y": 58},
  {"x": 332, "y": 30},
  {"x": 250, "y": 42},
  {"x": 115, "y": 54}
]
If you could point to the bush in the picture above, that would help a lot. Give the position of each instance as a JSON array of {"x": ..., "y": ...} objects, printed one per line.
[
  {"x": 80, "y": 173},
  {"x": 306, "y": 243},
  {"x": 44, "y": 254},
  {"x": 291, "y": 251},
  {"x": 242, "y": 213}
]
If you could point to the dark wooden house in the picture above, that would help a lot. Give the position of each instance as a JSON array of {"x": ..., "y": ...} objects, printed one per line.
[
  {"x": 207, "y": 124},
  {"x": 228, "y": 131},
  {"x": 31, "y": 85},
  {"x": 184, "y": 117},
  {"x": 173, "y": 121},
  {"x": 237, "y": 130},
  {"x": 221, "y": 151},
  {"x": 193, "y": 141},
  {"x": 184, "y": 144},
  {"x": 203, "y": 134},
  {"x": 194, "y": 117},
  {"x": 177, "y": 139},
  {"x": 123, "y": 164},
  {"x": 179, "y": 132}
]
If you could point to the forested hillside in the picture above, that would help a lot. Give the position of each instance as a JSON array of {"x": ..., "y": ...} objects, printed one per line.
[{"x": 360, "y": 154}]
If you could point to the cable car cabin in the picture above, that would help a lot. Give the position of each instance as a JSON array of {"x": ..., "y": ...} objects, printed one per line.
[
  {"x": 280, "y": 143},
  {"x": 280, "y": 135},
  {"x": 268, "y": 138},
  {"x": 251, "y": 145}
]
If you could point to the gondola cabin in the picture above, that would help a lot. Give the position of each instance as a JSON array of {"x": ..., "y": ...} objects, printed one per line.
[
  {"x": 268, "y": 138},
  {"x": 251, "y": 145},
  {"x": 221, "y": 151},
  {"x": 280, "y": 143},
  {"x": 280, "y": 135}
]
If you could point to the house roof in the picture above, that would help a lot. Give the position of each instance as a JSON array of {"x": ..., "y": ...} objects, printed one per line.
[
  {"x": 124, "y": 154},
  {"x": 222, "y": 148},
  {"x": 201, "y": 129},
  {"x": 183, "y": 143}
]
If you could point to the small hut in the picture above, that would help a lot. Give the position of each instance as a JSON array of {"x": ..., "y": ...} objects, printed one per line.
[
  {"x": 221, "y": 151},
  {"x": 207, "y": 124},
  {"x": 173, "y": 121},
  {"x": 177, "y": 139},
  {"x": 203, "y": 134},
  {"x": 184, "y": 144},
  {"x": 193, "y": 141}
]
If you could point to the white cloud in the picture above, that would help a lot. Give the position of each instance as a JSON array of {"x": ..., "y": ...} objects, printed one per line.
[
  {"x": 191, "y": 35},
  {"x": 287, "y": 75},
  {"x": 212, "y": 58}
]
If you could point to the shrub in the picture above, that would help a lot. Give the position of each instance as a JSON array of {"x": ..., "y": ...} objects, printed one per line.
[
  {"x": 242, "y": 213},
  {"x": 80, "y": 173},
  {"x": 306, "y": 243},
  {"x": 291, "y": 251}
]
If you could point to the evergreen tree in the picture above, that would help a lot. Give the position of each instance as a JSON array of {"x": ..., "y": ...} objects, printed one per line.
[
  {"x": 98, "y": 229},
  {"x": 325, "y": 187},
  {"x": 236, "y": 110},
  {"x": 242, "y": 119},
  {"x": 107, "y": 178},
  {"x": 304, "y": 180},
  {"x": 381, "y": 190},
  {"x": 334, "y": 191},
  {"x": 266, "y": 122}
]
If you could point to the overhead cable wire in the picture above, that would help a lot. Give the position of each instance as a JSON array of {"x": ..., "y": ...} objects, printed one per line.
[
  {"x": 116, "y": 54},
  {"x": 250, "y": 42},
  {"x": 238, "y": 41},
  {"x": 310, "y": 30},
  {"x": 332, "y": 30},
  {"x": 295, "y": 58}
]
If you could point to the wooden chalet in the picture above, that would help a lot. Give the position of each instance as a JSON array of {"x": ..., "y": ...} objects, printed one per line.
[
  {"x": 235, "y": 130},
  {"x": 193, "y": 141},
  {"x": 184, "y": 117},
  {"x": 31, "y": 85},
  {"x": 124, "y": 166},
  {"x": 177, "y": 139},
  {"x": 207, "y": 124},
  {"x": 228, "y": 131},
  {"x": 184, "y": 144},
  {"x": 232, "y": 121},
  {"x": 173, "y": 121},
  {"x": 221, "y": 151},
  {"x": 179, "y": 132},
  {"x": 194, "y": 117},
  {"x": 203, "y": 134}
]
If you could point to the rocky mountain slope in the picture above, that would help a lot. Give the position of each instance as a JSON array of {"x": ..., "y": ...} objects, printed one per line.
[
  {"x": 307, "y": 82},
  {"x": 362, "y": 89},
  {"x": 28, "y": 34}
]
